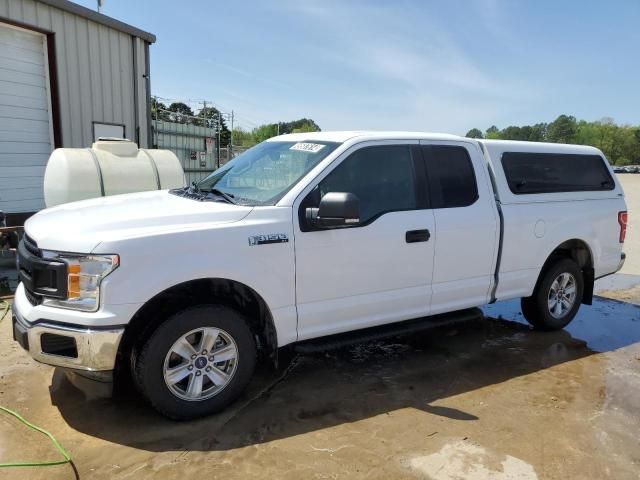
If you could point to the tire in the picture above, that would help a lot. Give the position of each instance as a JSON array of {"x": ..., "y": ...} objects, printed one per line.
[
  {"x": 166, "y": 377},
  {"x": 544, "y": 309}
]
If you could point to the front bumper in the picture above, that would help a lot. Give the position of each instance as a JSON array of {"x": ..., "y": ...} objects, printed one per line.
[{"x": 69, "y": 346}]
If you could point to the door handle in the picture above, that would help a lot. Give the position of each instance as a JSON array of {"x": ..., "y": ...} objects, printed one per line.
[{"x": 415, "y": 236}]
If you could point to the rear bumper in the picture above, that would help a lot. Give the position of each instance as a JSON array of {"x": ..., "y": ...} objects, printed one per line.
[
  {"x": 69, "y": 346},
  {"x": 623, "y": 257}
]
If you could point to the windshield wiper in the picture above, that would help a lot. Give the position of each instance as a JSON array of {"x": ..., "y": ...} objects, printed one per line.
[{"x": 229, "y": 197}]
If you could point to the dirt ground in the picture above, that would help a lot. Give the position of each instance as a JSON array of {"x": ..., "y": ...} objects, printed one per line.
[{"x": 485, "y": 399}]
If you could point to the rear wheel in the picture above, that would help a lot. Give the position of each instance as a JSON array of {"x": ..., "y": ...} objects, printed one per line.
[
  {"x": 557, "y": 297},
  {"x": 197, "y": 362}
]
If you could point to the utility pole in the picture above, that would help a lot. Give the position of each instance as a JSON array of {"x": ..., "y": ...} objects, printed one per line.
[
  {"x": 205, "y": 123},
  {"x": 218, "y": 138},
  {"x": 231, "y": 141}
]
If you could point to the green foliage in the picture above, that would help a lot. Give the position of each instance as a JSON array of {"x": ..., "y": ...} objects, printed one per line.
[
  {"x": 264, "y": 132},
  {"x": 159, "y": 110},
  {"x": 492, "y": 133},
  {"x": 212, "y": 118},
  {"x": 181, "y": 112},
  {"x": 474, "y": 133},
  {"x": 620, "y": 143},
  {"x": 243, "y": 138},
  {"x": 299, "y": 126},
  {"x": 563, "y": 129}
]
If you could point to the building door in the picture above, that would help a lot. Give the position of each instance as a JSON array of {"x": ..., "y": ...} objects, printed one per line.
[{"x": 26, "y": 135}]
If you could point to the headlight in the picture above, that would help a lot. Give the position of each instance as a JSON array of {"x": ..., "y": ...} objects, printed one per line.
[{"x": 84, "y": 275}]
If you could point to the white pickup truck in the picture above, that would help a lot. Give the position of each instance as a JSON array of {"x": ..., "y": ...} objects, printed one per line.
[{"x": 304, "y": 238}]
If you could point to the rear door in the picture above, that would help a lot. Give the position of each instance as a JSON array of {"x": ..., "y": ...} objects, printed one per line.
[
  {"x": 466, "y": 221},
  {"x": 378, "y": 271}
]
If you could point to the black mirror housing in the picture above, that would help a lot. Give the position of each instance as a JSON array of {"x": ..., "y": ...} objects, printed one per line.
[{"x": 337, "y": 209}]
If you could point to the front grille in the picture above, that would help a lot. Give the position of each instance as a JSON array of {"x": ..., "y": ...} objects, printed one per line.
[
  {"x": 31, "y": 246},
  {"x": 40, "y": 276},
  {"x": 32, "y": 297}
]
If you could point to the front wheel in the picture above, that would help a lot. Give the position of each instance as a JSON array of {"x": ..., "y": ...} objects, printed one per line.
[
  {"x": 197, "y": 362},
  {"x": 557, "y": 297}
]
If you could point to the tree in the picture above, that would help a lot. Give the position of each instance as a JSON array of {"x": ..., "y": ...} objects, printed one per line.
[
  {"x": 563, "y": 129},
  {"x": 512, "y": 133},
  {"x": 474, "y": 133},
  {"x": 181, "y": 112},
  {"x": 620, "y": 143},
  {"x": 492, "y": 132},
  {"x": 538, "y": 132},
  {"x": 212, "y": 118},
  {"x": 306, "y": 127},
  {"x": 179, "y": 107},
  {"x": 243, "y": 138},
  {"x": 297, "y": 126},
  {"x": 264, "y": 132},
  {"x": 158, "y": 110}
]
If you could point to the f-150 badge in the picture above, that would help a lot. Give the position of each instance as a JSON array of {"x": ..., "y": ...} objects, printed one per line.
[{"x": 268, "y": 238}]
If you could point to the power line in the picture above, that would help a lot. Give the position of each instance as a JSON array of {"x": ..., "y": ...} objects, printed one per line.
[{"x": 196, "y": 105}]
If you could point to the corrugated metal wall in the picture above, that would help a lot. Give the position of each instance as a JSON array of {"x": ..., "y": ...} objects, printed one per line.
[{"x": 95, "y": 67}]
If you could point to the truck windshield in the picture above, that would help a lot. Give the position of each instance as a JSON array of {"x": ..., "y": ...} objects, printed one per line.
[{"x": 264, "y": 173}]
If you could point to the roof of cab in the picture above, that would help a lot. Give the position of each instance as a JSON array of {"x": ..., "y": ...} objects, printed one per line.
[
  {"x": 492, "y": 145},
  {"x": 343, "y": 136},
  {"x": 522, "y": 146}
]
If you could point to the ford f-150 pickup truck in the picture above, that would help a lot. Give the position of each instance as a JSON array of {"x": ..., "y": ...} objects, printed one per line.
[{"x": 308, "y": 236}]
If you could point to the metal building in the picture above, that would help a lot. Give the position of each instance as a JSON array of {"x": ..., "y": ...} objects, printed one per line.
[{"x": 67, "y": 76}]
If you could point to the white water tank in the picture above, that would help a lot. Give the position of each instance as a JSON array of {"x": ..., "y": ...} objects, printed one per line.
[{"x": 109, "y": 167}]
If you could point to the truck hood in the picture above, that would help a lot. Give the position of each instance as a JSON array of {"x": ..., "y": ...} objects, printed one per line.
[{"x": 82, "y": 226}]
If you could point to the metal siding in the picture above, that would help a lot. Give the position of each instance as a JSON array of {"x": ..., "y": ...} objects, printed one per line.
[
  {"x": 139, "y": 48},
  {"x": 105, "y": 68},
  {"x": 57, "y": 25},
  {"x": 71, "y": 78},
  {"x": 95, "y": 70},
  {"x": 43, "y": 16},
  {"x": 96, "y": 82},
  {"x": 29, "y": 12},
  {"x": 84, "y": 74},
  {"x": 95, "y": 76},
  {"x": 126, "y": 78}
]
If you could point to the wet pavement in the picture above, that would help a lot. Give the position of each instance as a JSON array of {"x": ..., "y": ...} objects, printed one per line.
[
  {"x": 489, "y": 398},
  {"x": 484, "y": 399}
]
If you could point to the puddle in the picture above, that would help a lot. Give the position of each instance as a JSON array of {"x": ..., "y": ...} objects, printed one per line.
[{"x": 604, "y": 326}]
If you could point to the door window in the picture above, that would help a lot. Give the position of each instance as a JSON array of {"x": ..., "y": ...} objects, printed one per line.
[
  {"x": 382, "y": 177},
  {"x": 452, "y": 180}
]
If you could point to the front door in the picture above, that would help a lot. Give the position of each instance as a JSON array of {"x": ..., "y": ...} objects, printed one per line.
[{"x": 378, "y": 271}]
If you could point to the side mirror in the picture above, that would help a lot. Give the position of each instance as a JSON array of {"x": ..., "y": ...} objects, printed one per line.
[{"x": 337, "y": 209}]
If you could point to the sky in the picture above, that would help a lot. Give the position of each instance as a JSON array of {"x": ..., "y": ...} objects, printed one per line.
[{"x": 437, "y": 65}]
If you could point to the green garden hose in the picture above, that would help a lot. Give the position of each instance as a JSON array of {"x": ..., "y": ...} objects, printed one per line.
[{"x": 67, "y": 457}]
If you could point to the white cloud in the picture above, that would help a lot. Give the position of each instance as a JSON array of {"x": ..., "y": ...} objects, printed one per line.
[{"x": 434, "y": 82}]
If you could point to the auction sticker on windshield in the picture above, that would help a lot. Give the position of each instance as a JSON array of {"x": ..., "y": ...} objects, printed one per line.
[{"x": 308, "y": 147}]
